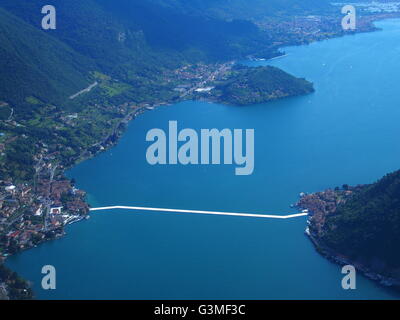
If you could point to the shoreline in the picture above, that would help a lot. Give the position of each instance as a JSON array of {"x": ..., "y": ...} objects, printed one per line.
[
  {"x": 321, "y": 204},
  {"x": 120, "y": 129},
  {"x": 341, "y": 260}
]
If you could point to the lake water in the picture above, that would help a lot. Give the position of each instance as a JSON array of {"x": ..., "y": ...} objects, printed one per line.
[{"x": 346, "y": 132}]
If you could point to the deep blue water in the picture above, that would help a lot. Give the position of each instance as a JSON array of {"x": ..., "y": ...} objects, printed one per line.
[{"x": 346, "y": 132}]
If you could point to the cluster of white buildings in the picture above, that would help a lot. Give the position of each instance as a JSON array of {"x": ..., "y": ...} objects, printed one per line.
[{"x": 374, "y": 6}]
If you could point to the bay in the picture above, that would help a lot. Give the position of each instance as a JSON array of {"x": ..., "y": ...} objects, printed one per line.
[{"x": 345, "y": 133}]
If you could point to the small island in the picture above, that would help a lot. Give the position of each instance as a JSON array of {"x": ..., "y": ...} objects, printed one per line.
[{"x": 252, "y": 85}]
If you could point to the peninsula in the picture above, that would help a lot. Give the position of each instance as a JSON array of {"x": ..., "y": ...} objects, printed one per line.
[
  {"x": 359, "y": 226},
  {"x": 70, "y": 93},
  {"x": 246, "y": 86}
]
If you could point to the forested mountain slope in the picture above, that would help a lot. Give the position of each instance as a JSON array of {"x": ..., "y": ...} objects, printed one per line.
[
  {"x": 34, "y": 64},
  {"x": 359, "y": 226},
  {"x": 134, "y": 41},
  {"x": 367, "y": 226},
  {"x": 247, "y": 9}
]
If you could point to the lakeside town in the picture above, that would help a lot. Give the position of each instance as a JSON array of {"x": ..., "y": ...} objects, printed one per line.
[
  {"x": 374, "y": 6},
  {"x": 32, "y": 213},
  {"x": 35, "y": 212},
  {"x": 322, "y": 206}
]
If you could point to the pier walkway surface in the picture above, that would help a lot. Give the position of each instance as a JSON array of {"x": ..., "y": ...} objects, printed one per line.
[{"x": 251, "y": 215}]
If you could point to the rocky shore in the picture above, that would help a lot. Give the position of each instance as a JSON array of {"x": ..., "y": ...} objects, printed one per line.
[
  {"x": 31, "y": 231},
  {"x": 323, "y": 204}
]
